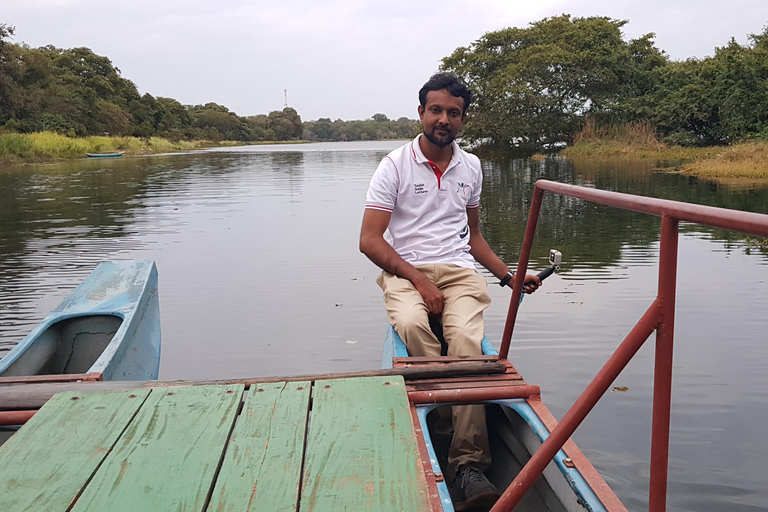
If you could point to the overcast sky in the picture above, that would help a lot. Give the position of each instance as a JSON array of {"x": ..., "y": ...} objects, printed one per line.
[{"x": 337, "y": 58}]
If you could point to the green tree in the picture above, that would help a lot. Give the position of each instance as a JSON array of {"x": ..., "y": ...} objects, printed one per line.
[
  {"x": 715, "y": 100},
  {"x": 285, "y": 124},
  {"x": 173, "y": 119},
  {"x": 217, "y": 122},
  {"x": 76, "y": 92},
  {"x": 9, "y": 73},
  {"x": 259, "y": 125},
  {"x": 534, "y": 85},
  {"x": 112, "y": 119}
]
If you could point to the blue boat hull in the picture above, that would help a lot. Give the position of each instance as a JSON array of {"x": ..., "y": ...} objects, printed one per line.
[
  {"x": 105, "y": 155},
  {"x": 515, "y": 432},
  {"x": 395, "y": 347},
  {"x": 109, "y": 325}
]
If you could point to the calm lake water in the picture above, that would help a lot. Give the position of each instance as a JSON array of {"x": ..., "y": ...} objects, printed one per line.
[{"x": 260, "y": 275}]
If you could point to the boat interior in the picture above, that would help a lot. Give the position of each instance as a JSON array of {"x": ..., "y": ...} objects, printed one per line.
[
  {"x": 512, "y": 441},
  {"x": 69, "y": 346}
]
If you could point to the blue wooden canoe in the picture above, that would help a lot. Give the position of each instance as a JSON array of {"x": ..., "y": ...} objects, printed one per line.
[
  {"x": 109, "y": 326},
  {"x": 105, "y": 155},
  {"x": 516, "y": 429}
]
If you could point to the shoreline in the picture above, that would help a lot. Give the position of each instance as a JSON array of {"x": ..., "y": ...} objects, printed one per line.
[
  {"x": 742, "y": 161},
  {"x": 739, "y": 162},
  {"x": 47, "y": 147}
]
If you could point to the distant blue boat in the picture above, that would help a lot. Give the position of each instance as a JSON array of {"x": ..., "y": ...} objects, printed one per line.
[
  {"x": 108, "y": 327},
  {"x": 105, "y": 155}
]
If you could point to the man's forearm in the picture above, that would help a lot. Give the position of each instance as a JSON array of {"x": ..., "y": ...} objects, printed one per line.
[{"x": 484, "y": 255}]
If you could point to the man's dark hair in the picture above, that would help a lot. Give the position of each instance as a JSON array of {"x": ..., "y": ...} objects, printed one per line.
[{"x": 449, "y": 82}]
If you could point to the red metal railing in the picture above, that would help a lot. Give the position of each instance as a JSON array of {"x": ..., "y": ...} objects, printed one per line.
[{"x": 659, "y": 317}]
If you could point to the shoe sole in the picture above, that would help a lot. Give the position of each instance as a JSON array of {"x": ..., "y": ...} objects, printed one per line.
[{"x": 484, "y": 500}]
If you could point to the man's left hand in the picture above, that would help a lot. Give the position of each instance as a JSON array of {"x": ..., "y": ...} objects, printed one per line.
[{"x": 531, "y": 283}]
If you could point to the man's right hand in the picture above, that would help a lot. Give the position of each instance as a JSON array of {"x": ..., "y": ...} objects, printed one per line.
[
  {"x": 373, "y": 245},
  {"x": 432, "y": 296}
]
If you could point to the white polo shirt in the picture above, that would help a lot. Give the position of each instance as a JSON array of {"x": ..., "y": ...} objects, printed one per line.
[{"x": 429, "y": 211}]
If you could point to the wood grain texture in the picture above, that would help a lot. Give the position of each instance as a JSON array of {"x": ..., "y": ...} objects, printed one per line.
[
  {"x": 167, "y": 458},
  {"x": 44, "y": 466},
  {"x": 262, "y": 467},
  {"x": 361, "y": 449}
]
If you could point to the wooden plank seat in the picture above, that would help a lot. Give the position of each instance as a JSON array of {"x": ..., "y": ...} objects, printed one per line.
[{"x": 350, "y": 445}]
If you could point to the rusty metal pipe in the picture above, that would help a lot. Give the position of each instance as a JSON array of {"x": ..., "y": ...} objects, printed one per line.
[
  {"x": 15, "y": 417},
  {"x": 580, "y": 408},
  {"x": 659, "y": 316},
  {"x": 662, "y": 382},
  {"x": 522, "y": 267},
  {"x": 452, "y": 396},
  {"x": 733, "y": 220}
]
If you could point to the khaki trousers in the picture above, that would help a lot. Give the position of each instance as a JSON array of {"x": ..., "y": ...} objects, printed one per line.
[{"x": 466, "y": 297}]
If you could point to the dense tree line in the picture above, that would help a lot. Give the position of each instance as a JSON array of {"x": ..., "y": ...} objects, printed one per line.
[
  {"x": 537, "y": 85},
  {"x": 78, "y": 93},
  {"x": 378, "y": 127}
]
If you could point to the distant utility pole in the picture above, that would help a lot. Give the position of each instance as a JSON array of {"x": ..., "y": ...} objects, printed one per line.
[{"x": 286, "y": 97}]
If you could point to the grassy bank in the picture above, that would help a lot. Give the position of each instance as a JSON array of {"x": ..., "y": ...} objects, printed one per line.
[
  {"x": 48, "y": 146},
  {"x": 744, "y": 160}
]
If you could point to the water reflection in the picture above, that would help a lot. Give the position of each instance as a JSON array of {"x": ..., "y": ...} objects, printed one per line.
[
  {"x": 260, "y": 275},
  {"x": 594, "y": 235}
]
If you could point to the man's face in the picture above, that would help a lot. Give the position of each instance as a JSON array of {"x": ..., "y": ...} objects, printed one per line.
[{"x": 442, "y": 117}]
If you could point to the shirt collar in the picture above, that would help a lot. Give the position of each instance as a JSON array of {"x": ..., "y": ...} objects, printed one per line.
[{"x": 419, "y": 157}]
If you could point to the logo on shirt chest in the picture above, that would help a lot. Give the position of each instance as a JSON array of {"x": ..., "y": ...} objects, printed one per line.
[
  {"x": 462, "y": 190},
  {"x": 420, "y": 188}
]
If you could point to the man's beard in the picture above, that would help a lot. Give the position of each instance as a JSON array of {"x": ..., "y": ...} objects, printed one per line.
[{"x": 441, "y": 143}]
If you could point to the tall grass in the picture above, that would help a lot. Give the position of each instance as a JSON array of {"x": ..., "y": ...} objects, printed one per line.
[
  {"x": 638, "y": 140},
  {"x": 635, "y": 133},
  {"x": 44, "y": 146},
  {"x": 615, "y": 138},
  {"x": 745, "y": 160}
]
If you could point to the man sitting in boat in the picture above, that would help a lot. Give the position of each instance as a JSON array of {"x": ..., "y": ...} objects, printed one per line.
[{"x": 421, "y": 226}]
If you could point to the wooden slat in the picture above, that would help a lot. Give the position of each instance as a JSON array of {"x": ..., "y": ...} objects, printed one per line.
[
  {"x": 479, "y": 378},
  {"x": 67, "y": 377},
  {"x": 167, "y": 458},
  {"x": 417, "y": 386},
  {"x": 262, "y": 467},
  {"x": 33, "y": 396},
  {"x": 362, "y": 452},
  {"x": 47, "y": 462},
  {"x": 443, "y": 359}
]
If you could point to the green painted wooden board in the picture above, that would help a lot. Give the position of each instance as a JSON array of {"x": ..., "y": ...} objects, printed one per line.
[
  {"x": 262, "y": 467},
  {"x": 362, "y": 452},
  {"x": 167, "y": 458},
  {"x": 44, "y": 466}
]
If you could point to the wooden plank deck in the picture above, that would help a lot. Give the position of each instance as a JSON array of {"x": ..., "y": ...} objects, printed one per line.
[
  {"x": 169, "y": 454},
  {"x": 49, "y": 461},
  {"x": 262, "y": 469},
  {"x": 350, "y": 445},
  {"x": 364, "y": 458}
]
